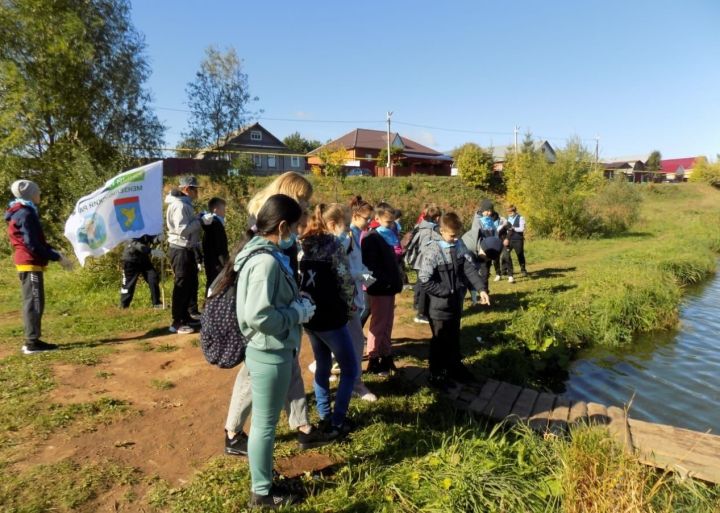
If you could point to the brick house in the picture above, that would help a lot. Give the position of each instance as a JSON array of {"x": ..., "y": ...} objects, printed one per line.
[{"x": 364, "y": 146}]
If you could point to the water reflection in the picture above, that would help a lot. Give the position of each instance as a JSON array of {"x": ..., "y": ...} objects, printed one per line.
[{"x": 668, "y": 377}]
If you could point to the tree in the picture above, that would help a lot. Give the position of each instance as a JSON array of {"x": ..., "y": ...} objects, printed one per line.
[
  {"x": 73, "y": 104},
  {"x": 528, "y": 145},
  {"x": 333, "y": 164},
  {"x": 653, "y": 161},
  {"x": 298, "y": 144},
  {"x": 73, "y": 72},
  {"x": 395, "y": 156},
  {"x": 475, "y": 165},
  {"x": 218, "y": 98},
  {"x": 704, "y": 171}
]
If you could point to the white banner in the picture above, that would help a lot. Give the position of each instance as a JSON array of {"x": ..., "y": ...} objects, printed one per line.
[{"x": 126, "y": 207}]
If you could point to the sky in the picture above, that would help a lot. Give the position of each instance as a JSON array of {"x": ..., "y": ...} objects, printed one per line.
[{"x": 639, "y": 75}]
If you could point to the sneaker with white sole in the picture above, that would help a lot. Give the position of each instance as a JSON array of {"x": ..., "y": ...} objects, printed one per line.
[
  {"x": 421, "y": 319},
  {"x": 511, "y": 279},
  {"x": 37, "y": 346},
  {"x": 364, "y": 394},
  {"x": 312, "y": 366},
  {"x": 181, "y": 329},
  {"x": 497, "y": 277}
]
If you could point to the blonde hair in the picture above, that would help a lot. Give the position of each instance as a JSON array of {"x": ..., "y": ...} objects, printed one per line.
[
  {"x": 291, "y": 184},
  {"x": 324, "y": 214}
]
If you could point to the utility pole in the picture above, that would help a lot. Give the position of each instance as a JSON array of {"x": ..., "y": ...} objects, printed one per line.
[
  {"x": 597, "y": 150},
  {"x": 516, "y": 130},
  {"x": 389, "y": 160}
]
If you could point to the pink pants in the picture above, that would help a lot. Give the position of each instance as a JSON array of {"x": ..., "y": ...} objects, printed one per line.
[{"x": 382, "y": 315}]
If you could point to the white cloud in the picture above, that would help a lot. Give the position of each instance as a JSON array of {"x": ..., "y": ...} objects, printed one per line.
[{"x": 301, "y": 114}]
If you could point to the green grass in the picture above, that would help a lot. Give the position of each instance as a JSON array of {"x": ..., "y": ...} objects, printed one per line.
[
  {"x": 162, "y": 384},
  {"x": 411, "y": 452}
]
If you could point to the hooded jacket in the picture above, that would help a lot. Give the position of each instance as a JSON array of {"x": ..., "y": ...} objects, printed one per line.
[
  {"x": 265, "y": 291},
  {"x": 137, "y": 251},
  {"x": 325, "y": 272},
  {"x": 215, "y": 244},
  {"x": 183, "y": 224},
  {"x": 445, "y": 275},
  {"x": 31, "y": 251},
  {"x": 380, "y": 258},
  {"x": 426, "y": 232}
]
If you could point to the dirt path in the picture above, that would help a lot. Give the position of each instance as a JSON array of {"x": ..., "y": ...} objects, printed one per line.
[{"x": 170, "y": 433}]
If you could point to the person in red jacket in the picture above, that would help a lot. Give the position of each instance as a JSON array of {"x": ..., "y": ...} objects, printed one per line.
[{"x": 31, "y": 256}]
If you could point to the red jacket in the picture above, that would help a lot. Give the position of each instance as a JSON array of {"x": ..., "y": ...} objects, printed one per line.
[{"x": 32, "y": 252}]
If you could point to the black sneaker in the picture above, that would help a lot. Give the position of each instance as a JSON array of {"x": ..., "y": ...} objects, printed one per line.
[
  {"x": 237, "y": 445},
  {"x": 277, "y": 498},
  {"x": 441, "y": 383},
  {"x": 194, "y": 316},
  {"x": 346, "y": 428},
  {"x": 374, "y": 366},
  {"x": 37, "y": 346},
  {"x": 388, "y": 364},
  {"x": 317, "y": 437}
]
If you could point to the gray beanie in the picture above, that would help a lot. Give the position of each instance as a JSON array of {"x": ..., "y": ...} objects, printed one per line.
[{"x": 25, "y": 189}]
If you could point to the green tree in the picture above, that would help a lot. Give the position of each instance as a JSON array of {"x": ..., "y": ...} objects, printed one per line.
[
  {"x": 298, "y": 144},
  {"x": 219, "y": 98},
  {"x": 333, "y": 164},
  {"x": 653, "y": 162},
  {"x": 706, "y": 172},
  {"x": 528, "y": 144},
  {"x": 475, "y": 165},
  {"x": 395, "y": 156},
  {"x": 74, "y": 109}
]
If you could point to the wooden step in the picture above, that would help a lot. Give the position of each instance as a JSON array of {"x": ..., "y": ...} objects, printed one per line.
[
  {"x": 578, "y": 413},
  {"x": 483, "y": 398},
  {"x": 597, "y": 413},
  {"x": 559, "y": 417},
  {"x": 619, "y": 427},
  {"x": 502, "y": 401},
  {"x": 522, "y": 409},
  {"x": 542, "y": 411}
]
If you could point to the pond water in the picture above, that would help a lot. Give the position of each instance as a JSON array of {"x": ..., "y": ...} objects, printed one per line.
[{"x": 668, "y": 377}]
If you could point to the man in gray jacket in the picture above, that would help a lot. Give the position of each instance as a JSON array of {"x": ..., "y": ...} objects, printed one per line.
[{"x": 184, "y": 232}]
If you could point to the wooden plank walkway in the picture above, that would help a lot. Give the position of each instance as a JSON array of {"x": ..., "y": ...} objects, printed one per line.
[{"x": 689, "y": 453}]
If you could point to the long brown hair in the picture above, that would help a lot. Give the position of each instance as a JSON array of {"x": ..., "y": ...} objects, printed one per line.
[
  {"x": 322, "y": 215},
  {"x": 360, "y": 207}
]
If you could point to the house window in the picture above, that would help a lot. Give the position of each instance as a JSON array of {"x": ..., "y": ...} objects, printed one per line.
[
  {"x": 256, "y": 135},
  {"x": 257, "y": 160},
  {"x": 295, "y": 161},
  {"x": 271, "y": 161}
]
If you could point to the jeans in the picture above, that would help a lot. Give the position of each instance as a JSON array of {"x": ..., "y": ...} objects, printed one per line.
[
  {"x": 355, "y": 329},
  {"x": 325, "y": 344},
  {"x": 32, "y": 284}
]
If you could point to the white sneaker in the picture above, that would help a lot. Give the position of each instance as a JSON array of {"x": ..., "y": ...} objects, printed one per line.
[
  {"x": 312, "y": 366},
  {"x": 511, "y": 279},
  {"x": 335, "y": 369},
  {"x": 181, "y": 330},
  {"x": 364, "y": 394},
  {"x": 333, "y": 378},
  {"x": 497, "y": 278}
]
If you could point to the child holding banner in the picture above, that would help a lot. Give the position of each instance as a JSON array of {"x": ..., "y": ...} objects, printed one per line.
[{"x": 31, "y": 256}]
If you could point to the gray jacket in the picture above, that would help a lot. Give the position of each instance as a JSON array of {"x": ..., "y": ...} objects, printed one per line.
[{"x": 184, "y": 227}]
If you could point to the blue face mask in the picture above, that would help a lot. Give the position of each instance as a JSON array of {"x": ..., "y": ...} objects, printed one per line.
[
  {"x": 344, "y": 240},
  {"x": 287, "y": 243},
  {"x": 445, "y": 244}
]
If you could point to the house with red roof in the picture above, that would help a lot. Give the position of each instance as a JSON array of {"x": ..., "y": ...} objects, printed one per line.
[
  {"x": 363, "y": 147},
  {"x": 678, "y": 170}
]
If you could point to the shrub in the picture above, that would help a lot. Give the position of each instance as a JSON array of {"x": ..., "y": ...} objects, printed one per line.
[
  {"x": 615, "y": 206},
  {"x": 474, "y": 165},
  {"x": 705, "y": 172}
]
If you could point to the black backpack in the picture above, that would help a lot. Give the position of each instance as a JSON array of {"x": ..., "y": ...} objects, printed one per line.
[{"x": 221, "y": 340}]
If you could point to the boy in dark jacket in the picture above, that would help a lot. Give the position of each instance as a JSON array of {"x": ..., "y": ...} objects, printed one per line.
[
  {"x": 447, "y": 269},
  {"x": 136, "y": 259},
  {"x": 31, "y": 256},
  {"x": 215, "y": 243}
]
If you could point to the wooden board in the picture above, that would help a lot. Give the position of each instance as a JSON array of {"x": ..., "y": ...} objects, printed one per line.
[
  {"x": 542, "y": 411},
  {"x": 483, "y": 398},
  {"x": 559, "y": 416},
  {"x": 619, "y": 427},
  {"x": 523, "y": 405},
  {"x": 502, "y": 401},
  {"x": 597, "y": 413},
  {"x": 578, "y": 412}
]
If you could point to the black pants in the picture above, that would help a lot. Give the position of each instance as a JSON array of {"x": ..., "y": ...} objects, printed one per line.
[
  {"x": 506, "y": 265},
  {"x": 185, "y": 289},
  {"x": 32, "y": 284},
  {"x": 211, "y": 272},
  {"x": 517, "y": 245},
  {"x": 445, "y": 358},
  {"x": 496, "y": 266},
  {"x": 131, "y": 273},
  {"x": 421, "y": 299}
]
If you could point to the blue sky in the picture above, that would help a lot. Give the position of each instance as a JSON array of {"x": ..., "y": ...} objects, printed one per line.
[{"x": 641, "y": 75}]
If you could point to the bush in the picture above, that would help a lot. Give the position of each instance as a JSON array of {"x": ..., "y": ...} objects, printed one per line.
[
  {"x": 615, "y": 206},
  {"x": 474, "y": 165},
  {"x": 705, "y": 172}
]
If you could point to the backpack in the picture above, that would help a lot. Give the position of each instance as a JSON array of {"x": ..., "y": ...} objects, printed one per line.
[
  {"x": 412, "y": 248},
  {"x": 221, "y": 340}
]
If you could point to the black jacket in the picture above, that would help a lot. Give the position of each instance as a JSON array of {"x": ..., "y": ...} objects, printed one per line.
[
  {"x": 445, "y": 276},
  {"x": 379, "y": 257},
  {"x": 137, "y": 251},
  {"x": 215, "y": 245}
]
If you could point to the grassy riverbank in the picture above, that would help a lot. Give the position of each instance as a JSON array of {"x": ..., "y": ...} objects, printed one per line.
[{"x": 127, "y": 418}]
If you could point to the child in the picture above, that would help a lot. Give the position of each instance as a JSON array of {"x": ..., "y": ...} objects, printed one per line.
[
  {"x": 215, "y": 243},
  {"x": 483, "y": 226},
  {"x": 31, "y": 256},
  {"x": 326, "y": 280},
  {"x": 361, "y": 214},
  {"x": 425, "y": 232},
  {"x": 447, "y": 269},
  {"x": 136, "y": 262},
  {"x": 379, "y": 257}
]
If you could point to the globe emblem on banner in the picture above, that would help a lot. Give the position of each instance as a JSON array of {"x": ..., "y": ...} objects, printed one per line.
[{"x": 93, "y": 231}]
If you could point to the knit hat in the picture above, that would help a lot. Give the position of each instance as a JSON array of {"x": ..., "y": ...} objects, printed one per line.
[
  {"x": 486, "y": 204},
  {"x": 491, "y": 246},
  {"x": 25, "y": 189}
]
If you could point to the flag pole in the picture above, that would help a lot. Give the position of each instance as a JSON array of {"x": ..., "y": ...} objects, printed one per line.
[{"x": 162, "y": 281}]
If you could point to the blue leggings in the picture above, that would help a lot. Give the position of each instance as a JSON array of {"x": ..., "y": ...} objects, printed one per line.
[{"x": 325, "y": 344}]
